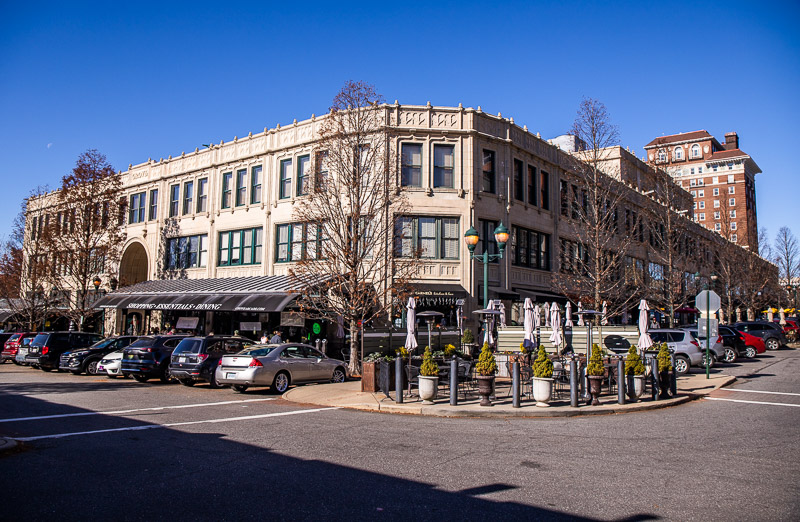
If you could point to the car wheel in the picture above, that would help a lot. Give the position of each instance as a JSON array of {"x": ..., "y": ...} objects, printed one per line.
[
  {"x": 730, "y": 355},
  {"x": 213, "y": 383},
  {"x": 681, "y": 365},
  {"x": 339, "y": 375},
  {"x": 166, "y": 376},
  {"x": 139, "y": 377},
  {"x": 239, "y": 388},
  {"x": 17, "y": 363},
  {"x": 772, "y": 344},
  {"x": 281, "y": 383},
  {"x": 750, "y": 352},
  {"x": 91, "y": 367},
  {"x": 187, "y": 382},
  {"x": 713, "y": 361},
  {"x": 46, "y": 369}
]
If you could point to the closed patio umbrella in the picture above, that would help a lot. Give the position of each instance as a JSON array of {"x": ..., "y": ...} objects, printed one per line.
[
  {"x": 555, "y": 322},
  {"x": 527, "y": 322},
  {"x": 604, "y": 320},
  {"x": 537, "y": 323},
  {"x": 782, "y": 316},
  {"x": 770, "y": 315},
  {"x": 411, "y": 323},
  {"x": 738, "y": 315},
  {"x": 721, "y": 316},
  {"x": 547, "y": 315},
  {"x": 644, "y": 340},
  {"x": 568, "y": 316},
  {"x": 580, "y": 317},
  {"x": 751, "y": 316}
]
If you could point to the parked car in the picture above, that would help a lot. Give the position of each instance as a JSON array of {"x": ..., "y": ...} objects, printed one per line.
[
  {"x": 753, "y": 345},
  {"x": 46, "y": 348},
  {"x": 771, "y": 333},
  {"x": 278, "y": 366},
  {"x": 735, "y": 345},
  {"x": 111, "y": 365},
  {"x": 790, "y": 329},
  {"x": 716, "y": 348},
  {"x": 148, "y": 357},
  {"x": 86, "y": 360},
  {"x": 22, "y": 352},
  {"x": 683, "y": 344},
  {"x": 195, "y": 359},
  {"x": 13, "y": 343}
]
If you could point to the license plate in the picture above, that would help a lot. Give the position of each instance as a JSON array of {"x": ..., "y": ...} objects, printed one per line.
[
  {"x": 129, "y": 356},
  {"x": 230, "y": 375},
  {"x": 181, "y": 359}
]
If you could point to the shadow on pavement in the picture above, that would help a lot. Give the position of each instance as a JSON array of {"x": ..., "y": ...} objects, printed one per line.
[{"x": 163, "y": 473}]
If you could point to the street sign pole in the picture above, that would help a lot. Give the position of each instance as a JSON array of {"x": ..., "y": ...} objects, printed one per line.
[
  {"x": 712, "y": 301},
  {"x": 708, "y": 337}
]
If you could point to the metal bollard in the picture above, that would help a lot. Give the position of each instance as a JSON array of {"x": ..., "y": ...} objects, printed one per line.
[
  {"x": 573, "y": 382},
  {"x": 654, "y": 378},
  {"x": 454, "y": 382},
  {"x": 316, "y": 344},
  {"x": 324, "y": 346},
  {"x": 673, "y": 379},
  {"x": 620, "y": 380},
  {"x": 398, "y": 380},
  {"x": 515, "y": 385}
]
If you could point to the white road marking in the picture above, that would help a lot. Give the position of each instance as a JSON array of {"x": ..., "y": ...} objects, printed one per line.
[
  {"x": 122, "y": 412},
  {"x": 753, "y": 402},
  {"x": 756, "y": 391},
  {"x": 170, "y": 425}
]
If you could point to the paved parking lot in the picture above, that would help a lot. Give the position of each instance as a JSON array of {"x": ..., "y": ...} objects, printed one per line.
[{"x": 102, "y": 448}]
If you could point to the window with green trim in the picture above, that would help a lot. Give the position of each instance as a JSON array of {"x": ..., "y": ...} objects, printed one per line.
[
  {"x": 241, "y": 187},
  {"x": 296, "y": 241},
  {"x": 227, "y": 178},
  {"x": 153, "y": 205},
  {"x": 174, "y": 200},
  {"x": 429, "y": 237},
  {"x": 202, "y": 195},
  {"x": 303, "y": 172},
  {"x": 285, "y": 182},
  {"x": 188, "y": 197},
  {"x": 136, "y": 208},
  {"x": 411, "y": 168},
  {"x": 240, "y": 247},
  {"x": 255, "y": 185},
  {"x": 530, "y": 248},
  {"x": 443, "y": 166}
]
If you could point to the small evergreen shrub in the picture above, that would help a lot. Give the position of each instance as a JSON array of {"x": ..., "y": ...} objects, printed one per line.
[
  {"x": 449, "y": 350},
  {"x": 468, "y": 337},
  {"x": 402, "y": 352},
  {"x": 542, "y": 366},
  {"x": 487, "y": 365},
  {"x": 596, "y": 362},
  {"x": 664, "y": 361},
  {"x": 429, "y": 367},
  {"x": 633, "y": 362}
]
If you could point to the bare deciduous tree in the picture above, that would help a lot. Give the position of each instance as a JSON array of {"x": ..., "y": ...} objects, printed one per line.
[
  {"x": 343, "y": 234},
  {"x": 786, "y": 255}
]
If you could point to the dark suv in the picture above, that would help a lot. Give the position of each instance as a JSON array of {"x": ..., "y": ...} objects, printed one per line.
[
  {"x": 46, "y": 348},
  {"x": 196, "y": 358},
  {"x": 149, "y": 357},
  {"x": 772, "y": 334},
  {"x": 734, "y": 343},
  {"x": 85, "y": 360}
]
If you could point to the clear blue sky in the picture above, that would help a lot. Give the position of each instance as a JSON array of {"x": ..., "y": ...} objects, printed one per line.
[{"x": 138, "y": 80}]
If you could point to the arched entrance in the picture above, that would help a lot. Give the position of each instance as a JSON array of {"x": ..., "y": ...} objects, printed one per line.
[{"x": 133, "y": 267}]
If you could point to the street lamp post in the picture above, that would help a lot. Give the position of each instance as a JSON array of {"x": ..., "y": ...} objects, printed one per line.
[
  {"x": 471, "y": 238},
  {"x": 96, "y": 282}
]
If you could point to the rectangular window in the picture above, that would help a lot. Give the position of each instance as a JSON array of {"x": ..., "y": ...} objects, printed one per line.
[
  {"x": 716, "y": 192},
  {"x": 544, "y": 190},
  {"x": 701, "y": 216},
  {"x": 716, "y": 203},
  {"x": 322, "y": 170},
  {"x": 717, "y": 215},
  {"x": 488, "y": 172},
  {"x": 153, "y": 214},
  {"x": 174, "y": 200},
  {"x": 701, "y": 193},
  {"x": 532, "y": 185},
  {"x": 733, "y": 225},
  {"x": 694, "y": 193},
  {"x": 430, "y": 237},
  {"x": 298, "y": 241},
  {"x": 188, "y": 197},
  {"x": 715, "y": 180},
  {"x": 487, "y": 242},
  {"x": 202, "y": 195},
  {"x": 303, "y": 173},
  {"x": 255, "y": 185},
  {"x": 730, "y": 178},
  {"x": 241, "y": 187},
  {"x": 443, "y": 164},
  {"x": 699, "y": 170},
  {"x": 136, "y": 209},
  {"x": 730, "y": 167},
  {"x": 285, "y": 182},
  {"x": 732, "y": 202},
  {"x": 411, "y": 175},
  {"x": 692, "y": 182},
  {"x": 227, "y": 178},
  {"x": 734, "y": 238},
  {"x": 717, "y": 227},
  {"x": 731, "y": 190},
  {"x": 732, "y": 213},
  {"x": 240, "y": 247},
  {"x": 187, "y": 252},
  {"x": 530, "y": 248},
  {"x": 519, "y": 180}
]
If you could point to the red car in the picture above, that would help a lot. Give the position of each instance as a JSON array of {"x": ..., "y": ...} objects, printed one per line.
[
  {"x": 755, "y": 345},
  {"x": 12, "y": 345},
  {"x": 790, "y": 328}
]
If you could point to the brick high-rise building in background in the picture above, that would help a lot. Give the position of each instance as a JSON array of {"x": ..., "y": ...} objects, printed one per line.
[{"x": 720, "y": 177}]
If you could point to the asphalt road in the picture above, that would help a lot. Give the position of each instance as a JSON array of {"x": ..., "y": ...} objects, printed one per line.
[{"x": 96, "y": 448}]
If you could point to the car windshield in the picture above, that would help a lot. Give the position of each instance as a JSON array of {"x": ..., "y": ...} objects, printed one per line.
[
  {"x": 103, "y": 343},
  {"x": 14, "y": 337},
  {"x": 189, "y": 346},
  {"x": 146, "y": 342},
  {"x": 27, "y": 341},
  {"x": 258, "y": 351},
  {"x": 40, "y": 339}
]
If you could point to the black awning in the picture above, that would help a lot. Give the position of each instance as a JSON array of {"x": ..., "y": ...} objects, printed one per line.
[{"x": 433, "y": 294}]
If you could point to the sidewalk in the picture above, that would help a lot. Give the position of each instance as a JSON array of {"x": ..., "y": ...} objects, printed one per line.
[{"x": 349, "y": 395}]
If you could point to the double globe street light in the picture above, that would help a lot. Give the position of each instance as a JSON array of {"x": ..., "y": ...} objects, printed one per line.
[{"x": 471, "y": 238}]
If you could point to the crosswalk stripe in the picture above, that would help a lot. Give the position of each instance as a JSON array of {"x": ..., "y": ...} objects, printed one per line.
[
  {"x": 759, "y": 391},
  {"x": 753, "y": 402}
]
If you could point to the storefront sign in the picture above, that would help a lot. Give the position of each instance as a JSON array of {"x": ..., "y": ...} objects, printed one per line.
[
  {"x": 173, "y": 306},
  {"x": 187, "y": 323},
  {"x": 247, "y": 326},
  {"x": 316, "y": 328},
  {"x": 292, "y": 319}
]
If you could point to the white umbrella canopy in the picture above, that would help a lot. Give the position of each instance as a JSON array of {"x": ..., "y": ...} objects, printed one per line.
[
  {"x": 555, "y": 322},
  {"x": 604, "y": 321},
  {"x": 568, "y": 316},
  {"x": 411, "y": 323},
  {"x": 547, "y": 315},
  {"x": 644, "y": 340},
  {"x": 782, "y": 315},
  {"x": 527, "y": 323},
  {"x": 580, "y": 317}
]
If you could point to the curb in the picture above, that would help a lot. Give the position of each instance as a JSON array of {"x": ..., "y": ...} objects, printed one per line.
[{"x": 7, "y": 444}]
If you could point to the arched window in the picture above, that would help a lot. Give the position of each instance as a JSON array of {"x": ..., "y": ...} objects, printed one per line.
[
  {"x": 695, "y": 150},
  {"x": 662, "y": 156},
  {"x": 678, "y": 153}
]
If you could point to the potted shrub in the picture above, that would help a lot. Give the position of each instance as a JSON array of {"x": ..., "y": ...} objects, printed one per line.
[
  {"x": 664, "y": 367},
  {"x": 468, "y": 341},
  {"x": 595, "y": 372},
  {"x": 634, "y": 374},
  {"x": 486, "y": 368},
  {"x": 542, "y": 379},
  {"x": 428, "y": 377}
]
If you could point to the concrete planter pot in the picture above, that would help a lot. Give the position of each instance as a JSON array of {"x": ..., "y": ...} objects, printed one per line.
[
  {"x": 428, "y": 388},
  {"x": 595, "y": 386},
  {"x": 635, "y": 386},
  {"x": 485, "y": 388},
  {"x": 542, "y": 391}
]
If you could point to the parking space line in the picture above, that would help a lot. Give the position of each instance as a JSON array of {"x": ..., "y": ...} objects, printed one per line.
[
  {"x": 122, "y": 412},
  {"x": 757, "y": 391},
  {"x": 753, "y": 402},
  {"x": 170, "y": 425}
]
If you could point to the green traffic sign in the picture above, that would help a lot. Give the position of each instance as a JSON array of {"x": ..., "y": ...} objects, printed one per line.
[{"x": 316, "y": 328}]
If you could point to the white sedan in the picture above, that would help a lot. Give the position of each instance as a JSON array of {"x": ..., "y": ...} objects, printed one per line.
[{"x": 111, "y": 364}]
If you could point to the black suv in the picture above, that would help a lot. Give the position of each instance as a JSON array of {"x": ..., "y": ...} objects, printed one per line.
[
  {"x": 148, "y": 357},
  {"x": 772, "y": 333},
  {"x": 85, "y": 360},
  {"x": 196, "y": 358},
  {"x": 46, "y": 348},
  {"x": 733, "y": 342}
]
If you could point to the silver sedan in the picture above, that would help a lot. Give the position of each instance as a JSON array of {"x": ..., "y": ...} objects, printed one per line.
[{"x": 278, "y": 366}]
